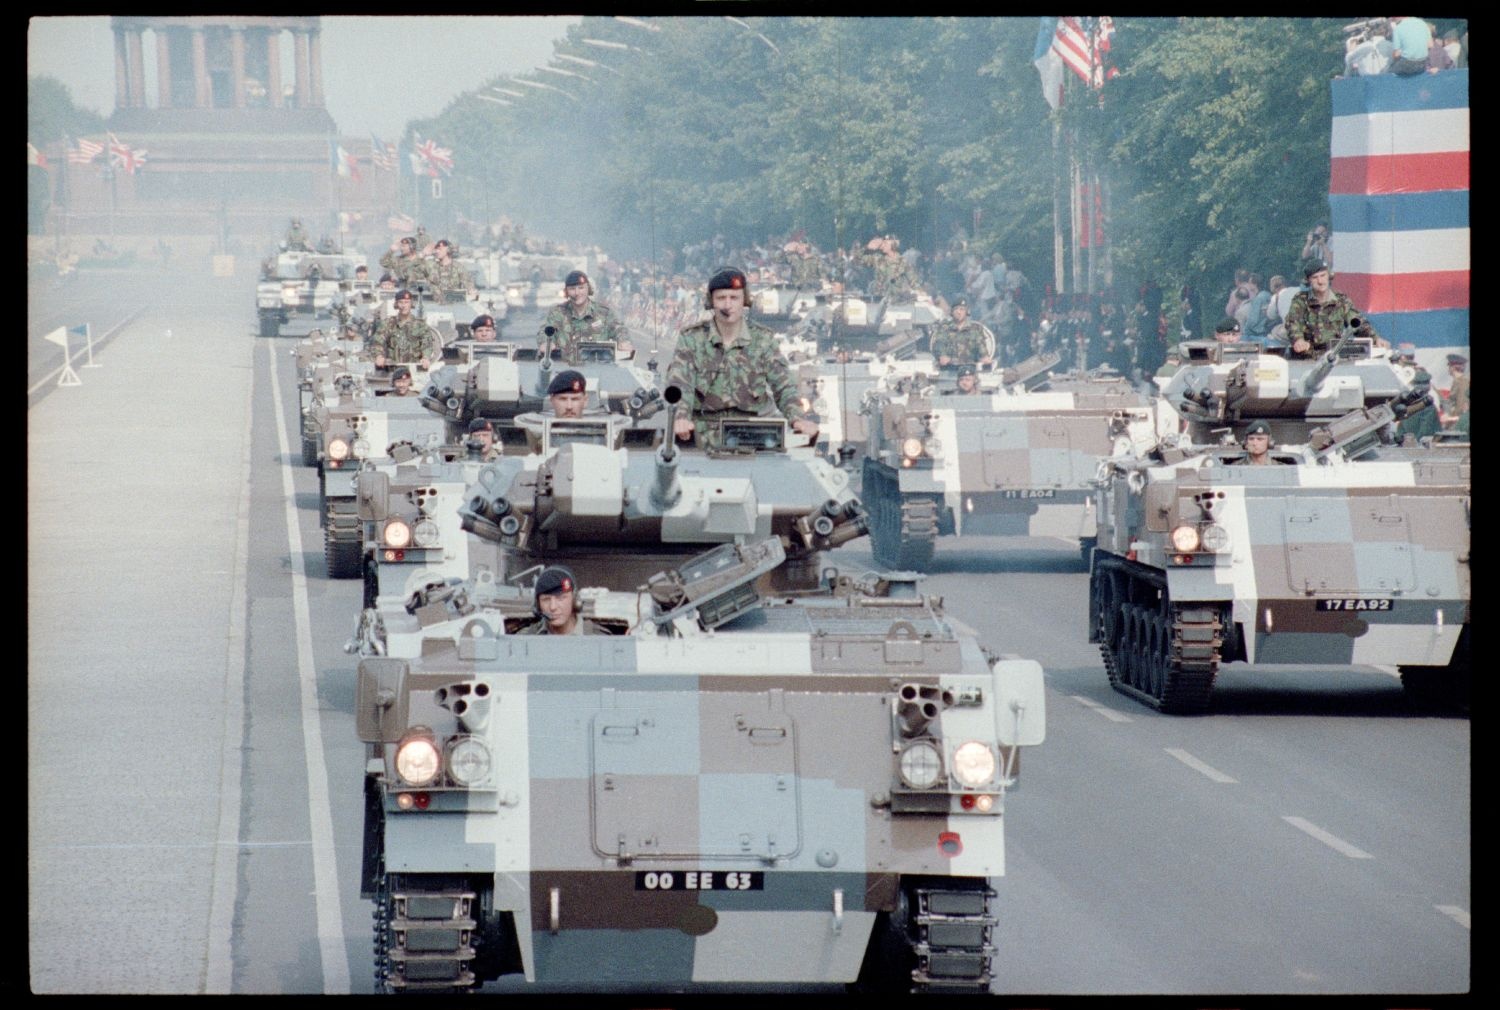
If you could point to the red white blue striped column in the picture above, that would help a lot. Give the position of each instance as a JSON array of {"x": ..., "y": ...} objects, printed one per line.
[{"x": 1399, "y": 194}]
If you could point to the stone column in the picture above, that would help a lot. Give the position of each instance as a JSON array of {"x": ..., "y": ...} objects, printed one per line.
[
  {"x": 315, "y": 66},
  {"x": 303, "y": 94},
  {"x": 137, "y": 70},
  {"x": 122, "y": 79},
  {"x": 237, "y": 62},
  {"x": 202, "y": 93},
  {"x": 163, "y": 68},
  {"x": 273, "y": 66}
]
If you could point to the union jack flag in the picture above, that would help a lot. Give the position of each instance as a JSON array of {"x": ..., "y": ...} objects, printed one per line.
[
  {"x": 124, "y": 157},
  {"x": 432, "y": 157},
  {"x": 84, "y": 151},
  {"x": 382, "y": 155}
]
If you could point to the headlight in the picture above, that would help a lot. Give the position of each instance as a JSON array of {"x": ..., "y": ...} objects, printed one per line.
[
  {"x": 974, "y": 764},
  {"x": 1185, "y": 539},
  {"x": 933, "y": 447},
  {"x": 468, "y": 761},
  {"x": 397, "y": 533},
  {"x": 425, "y": 533},
  {"x": 417, "y": 761},
  {"x": 289, "y": 296},
  {"x": 921, "y": 765},
  {"x": 361, "y": 448},
  {"x": 911, "y": 448},
  {"x": 1215, "y": 538},
  {"x": 338, "y": 449}
]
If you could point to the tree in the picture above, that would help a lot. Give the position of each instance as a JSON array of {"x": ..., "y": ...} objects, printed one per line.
[{"x": 52, "y": 115}]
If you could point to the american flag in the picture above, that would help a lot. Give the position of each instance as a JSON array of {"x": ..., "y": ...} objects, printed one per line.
[
  {"x": 433, "y": 157},
  {"x": 124, "y": 157},
  {"x": 84, "y": 151},
  {"x": 1083, "y": 44},
  {"x": 382, "y": 155}
]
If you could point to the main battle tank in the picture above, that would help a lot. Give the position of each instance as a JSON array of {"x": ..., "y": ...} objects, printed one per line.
[
  {"x": 1016, "y": 458},
  {"x": 1352, "y": 550},
  {"x": 733, "y": 785}
]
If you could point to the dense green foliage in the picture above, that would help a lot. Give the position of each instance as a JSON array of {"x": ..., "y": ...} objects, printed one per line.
[
  {"x": 1214, "y": 138},
  {"x": 52, "y": 115}
]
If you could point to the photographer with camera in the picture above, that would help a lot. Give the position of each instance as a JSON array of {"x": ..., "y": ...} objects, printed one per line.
[{"x": 1319, "y": 244}]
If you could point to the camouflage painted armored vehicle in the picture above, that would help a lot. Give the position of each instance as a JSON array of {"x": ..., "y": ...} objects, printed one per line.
[
  {"x": 504, "y": 381},
  {"x": 739, "y": 787},
  {"x": 329, "y": 366},
  {"x": 631, "y": 510},
  {"x": 1344, "y": 550},
  {"x": 365, "y": 424},
  {"x": 1016, "y": 458},
  {"x": 302, "y": 290},
  {"x": 834, "y": 386},
  {"x": 851, "y": 323}
]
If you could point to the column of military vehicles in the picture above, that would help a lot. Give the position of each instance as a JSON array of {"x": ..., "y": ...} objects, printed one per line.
[{"x": 758, "y": 768}]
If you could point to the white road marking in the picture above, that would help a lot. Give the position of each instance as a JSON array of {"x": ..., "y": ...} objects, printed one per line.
[
  {"x": 1108, "y": 713},
  {"x": 219, "y": 971},
  {"x": 1198, "y": 766},
  {"x": 1455, "y": 913},
  {"x": 1332, "y": 841},
  {"x": 320, "y": 814}
]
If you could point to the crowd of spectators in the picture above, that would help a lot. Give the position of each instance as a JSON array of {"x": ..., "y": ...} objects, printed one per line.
[{"x": 1405, "y": 46}]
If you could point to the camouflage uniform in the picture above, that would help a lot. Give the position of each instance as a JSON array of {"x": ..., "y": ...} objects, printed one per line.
[
  {"x": 1424, "y": 422},
  {"x": 407, "y": 270},
  {"x": 749, "y": 379},
  {"x": 965, "y": 344},
  {"x": 596, "y": 323},
  {"x": 296, "y": 238},
  {"x": 408, "y": 341},
  {"x": 449, "y": 276},
  {"x": 541, "y": 627},
  {"x": 1322, "y": 324}
]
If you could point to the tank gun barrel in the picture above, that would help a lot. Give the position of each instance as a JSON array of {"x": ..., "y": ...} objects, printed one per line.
[
  {"x": 666, "y": 487},
  {"x": 1313, "y": 379}
]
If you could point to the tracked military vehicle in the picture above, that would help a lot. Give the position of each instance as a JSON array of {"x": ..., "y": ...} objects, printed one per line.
[
  {"x": 741, "y": 784},
  {"x": 834, "y": 386},
  {"x": 1345, "y": 550},
  {"x": 1014, "y": 459},
  {"x": 329, "y": 366},
  {"x": 634, "y": 512},
  {"x": 300, "y": 290},
  {"x": 503, "y": 381}
]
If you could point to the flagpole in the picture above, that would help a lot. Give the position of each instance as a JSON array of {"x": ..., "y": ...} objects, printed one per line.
[
  {"x": 88, "y": 332},
  {"x": 1059, "y": 276}
]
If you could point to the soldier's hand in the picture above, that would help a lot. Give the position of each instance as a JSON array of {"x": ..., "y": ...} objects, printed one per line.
[
  {"x": 805, "y": 426},
  {"x": 1300, "y": 345},
  {"x": 683, "y": 429},
  {"x": 380, "y": 361},
  {"x": 943, "y": 359}
]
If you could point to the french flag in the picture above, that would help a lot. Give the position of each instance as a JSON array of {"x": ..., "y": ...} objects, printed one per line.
[{"x": 1399, "y": 196}]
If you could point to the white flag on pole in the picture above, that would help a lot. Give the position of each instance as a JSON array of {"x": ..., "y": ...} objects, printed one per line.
[{"x": 58, "y": 336}]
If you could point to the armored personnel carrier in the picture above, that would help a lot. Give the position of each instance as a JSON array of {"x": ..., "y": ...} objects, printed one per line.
[
  {"x": 742, "y": 784},
  {"x": 1345, "y": 550},
  {"x": 835, "y": 384},
  {"x": 329, "y": 365},
  {"x": 299, "y": 290},
  {"x": 1016, "y": 458}
]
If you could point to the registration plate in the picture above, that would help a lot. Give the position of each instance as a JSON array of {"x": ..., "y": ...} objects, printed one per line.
[
  {"x": 1041, "y": 492},
  {"x": 700, "y": 880},
  {"x": 1345, "y": 605}
]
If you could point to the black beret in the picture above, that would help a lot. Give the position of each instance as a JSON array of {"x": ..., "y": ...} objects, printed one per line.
[
  {"x": 400, "y": 372},
  {"x": 554, "y": 580},
  {"x": 967, "y": 370},
  {"x": 481, "y": 424},
  {"x": 482, "y": 321},
  {"x": 1226, "y": 325},
  {"x": 728, "y": 277},
  {"x": 567, "y": 382},
  {"x": 403, "y": 295},
  {"x": 575, "y": 277},
  {"x": 961, "y": 301},
  {"x": 1313, "y": 267},
  {"x": 1258, "y": 428},
  {"x": 387, "y": 277}
]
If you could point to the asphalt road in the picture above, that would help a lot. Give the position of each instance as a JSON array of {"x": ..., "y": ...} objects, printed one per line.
[{"x": 194, "y": 782}]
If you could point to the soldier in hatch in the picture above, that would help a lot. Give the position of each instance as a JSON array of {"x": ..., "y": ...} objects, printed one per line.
[
  {"x": 404, "y": 337},
  {"x": 556, "y": 603},
  {"x": 961, "y": 340},
  {"x": 579, "y": 319}
]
